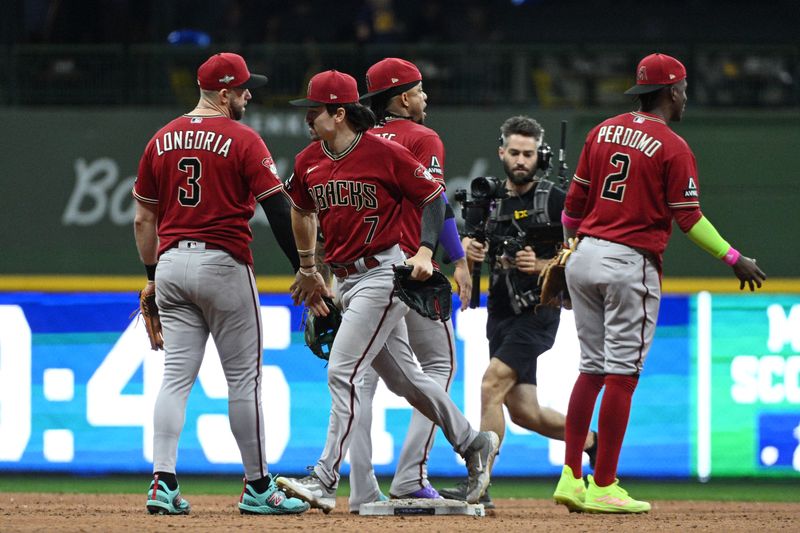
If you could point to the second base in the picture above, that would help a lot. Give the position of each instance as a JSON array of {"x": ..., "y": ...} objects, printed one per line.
[{"x": 421, "y": 506}]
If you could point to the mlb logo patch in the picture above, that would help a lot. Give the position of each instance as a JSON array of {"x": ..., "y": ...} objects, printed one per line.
[{"x": 196, "y": 120}]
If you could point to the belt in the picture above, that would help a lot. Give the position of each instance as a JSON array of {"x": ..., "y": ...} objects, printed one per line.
[
  {"x": 342, "y": 270},
  {"x": 196, "y": 245}
]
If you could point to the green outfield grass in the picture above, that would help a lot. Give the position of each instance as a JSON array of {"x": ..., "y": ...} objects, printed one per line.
[{"x": 717, "y": 489}]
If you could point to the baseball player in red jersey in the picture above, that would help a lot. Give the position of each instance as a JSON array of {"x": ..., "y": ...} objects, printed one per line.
[
  {"x": 634, "y": 176},
  {"x": 198, "y": 182},
  {"x": 355, "y": 183},
  {"x": 398, "y": 101}
]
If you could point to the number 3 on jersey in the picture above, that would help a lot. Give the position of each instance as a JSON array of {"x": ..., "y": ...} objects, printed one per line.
[
  {"x": 194, "y": 171},
  {"x": 614, "y": 183}
]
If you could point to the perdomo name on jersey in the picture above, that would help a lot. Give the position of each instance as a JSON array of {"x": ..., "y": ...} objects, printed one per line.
[
  {"x": 623, "y": 136},
  {"x": 194, "y": 140}
]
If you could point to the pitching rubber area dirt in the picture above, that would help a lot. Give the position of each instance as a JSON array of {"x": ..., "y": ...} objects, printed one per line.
[{"x": 126, "y": 512}]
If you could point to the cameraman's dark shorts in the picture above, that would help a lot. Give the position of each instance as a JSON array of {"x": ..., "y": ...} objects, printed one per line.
[{"x": 518, "y": 340}]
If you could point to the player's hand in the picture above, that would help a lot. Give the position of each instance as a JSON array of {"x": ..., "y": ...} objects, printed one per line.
[
  {"x": 464, "y": 281},
  {"x": 317, "y": 305},
  {"x": 421, "y": 263},
  {"x": 526, "y": 261},
  {"x": 475, "y": 251},
  {"x": 305, "y": 287},
  {"x": 748, "y": 272}
]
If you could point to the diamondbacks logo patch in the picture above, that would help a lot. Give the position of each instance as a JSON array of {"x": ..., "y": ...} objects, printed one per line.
[
  {"x": 642, "y": 74},
  {"x": 270, "y": 164}
]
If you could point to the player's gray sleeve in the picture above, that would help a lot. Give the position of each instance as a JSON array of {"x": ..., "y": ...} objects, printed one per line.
[
  {"x": 278, "y": 213},
  {"x": 432, "y": 221}
]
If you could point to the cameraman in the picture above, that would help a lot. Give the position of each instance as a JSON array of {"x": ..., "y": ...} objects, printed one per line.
[{"x": 523, "y": 231}]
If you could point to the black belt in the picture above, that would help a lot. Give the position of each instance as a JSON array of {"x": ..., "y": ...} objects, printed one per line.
[{"x": 342, "y": 270}]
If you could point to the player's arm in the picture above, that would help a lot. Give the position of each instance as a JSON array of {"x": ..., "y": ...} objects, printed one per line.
[
  {"x": 432, "y": 221},
  {"x": 276, "y": 207},
  {"x": 683, "y": 198},
  {"x": 145, "y": 226},
  {"x": 451, "y": 242},
  {"x": 706, "y": 236},
  {"x": 308, "y": 286}
]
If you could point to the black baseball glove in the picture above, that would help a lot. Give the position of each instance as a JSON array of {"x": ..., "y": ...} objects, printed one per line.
[
  {"x": 321, "y": 330},
  {"x": 431, "y": 298}
]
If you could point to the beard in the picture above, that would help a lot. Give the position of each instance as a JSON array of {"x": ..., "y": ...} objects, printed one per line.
[
  {"x": 516, "y": 178},
  {"x": 237, "y": 112}
]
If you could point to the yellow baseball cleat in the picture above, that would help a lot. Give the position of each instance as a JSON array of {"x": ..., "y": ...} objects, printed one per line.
[
  {"x": 611, "y": 499},
  {"x": 570, "y": 491}
]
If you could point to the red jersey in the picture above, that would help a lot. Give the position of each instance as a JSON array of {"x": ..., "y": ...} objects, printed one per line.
[
  {"x": 358, "y": 194},
  {"x": 206, "y": 175},
  {"x": 633, "y": 176},
  {"x": 427, "y": 147}
]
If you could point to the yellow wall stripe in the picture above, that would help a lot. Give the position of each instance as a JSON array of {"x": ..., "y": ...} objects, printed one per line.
[{"x": 281, "y": 284}]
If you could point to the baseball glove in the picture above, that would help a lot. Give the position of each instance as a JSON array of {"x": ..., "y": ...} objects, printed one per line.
[
  {"x": 431, "y": 298},
  {"x": 152, "y": 322},
  {"x": 321, "y": 330},
  {"x": 553, "y": 281}
]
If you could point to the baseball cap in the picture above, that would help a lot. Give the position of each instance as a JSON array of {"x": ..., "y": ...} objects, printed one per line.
[
  {"x": 389, "y": 73},
  {"x": 656, "y": 71},
  {"x": 227, "y": 71},
  {"x": 329, "y": 87}
]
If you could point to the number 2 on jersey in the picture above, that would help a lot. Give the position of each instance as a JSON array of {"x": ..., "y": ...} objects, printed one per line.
[
  {"x": 373, "y": 225},
  {"x": 194, "y": 171},
  {"x": 614, "y": 183}
]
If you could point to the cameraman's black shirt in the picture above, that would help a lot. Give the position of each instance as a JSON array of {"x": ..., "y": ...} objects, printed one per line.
[{"x": 545, "y": 240}]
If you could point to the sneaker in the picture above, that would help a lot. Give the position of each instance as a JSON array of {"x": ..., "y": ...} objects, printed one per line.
[
  {"x": 161, "y": 500},
  {"x": 611, "y": 499},
  {"x": 310, "y": 489},
  {"x": 459, "y": 492},
  {"x": 381, "y": 498},
  {"x": 570, "y": 491},
  {"x": 425, "y": 493},
  {"x": 479, "y": 458},
  {"x": 271, "y": 501},
  {"x": 591, "y": 451}
]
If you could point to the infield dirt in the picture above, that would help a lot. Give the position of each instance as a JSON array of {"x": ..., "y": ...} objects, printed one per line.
[{"x": 126, "y": 512}]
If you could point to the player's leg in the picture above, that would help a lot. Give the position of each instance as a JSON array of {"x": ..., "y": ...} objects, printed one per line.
[
  {"x": 364, "y": 486},
  {"x": 433, "y": 343},
  {"x": 631, "y": 309},
  {"x": 370, "y": 315},
  {"x": 587, "y": 297},
  {"x": 185, "y": 335},
  {"x": 399, "y": 370},
  {"x": 229, "y": 300}
]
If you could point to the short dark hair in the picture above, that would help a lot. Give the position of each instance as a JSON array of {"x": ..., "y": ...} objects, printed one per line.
[
  {"x": 379, "y": 102},
  {"x": 360, "y": 117},
  {"x": 649, "y": 101},
  {"x": 521, "y": 125}
]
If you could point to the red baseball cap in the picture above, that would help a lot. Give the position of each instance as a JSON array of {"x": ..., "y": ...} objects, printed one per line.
[
  {"x": 390, "y": 73},
  {"x": 656, "y": 71},
  {"x": 329, "y": 87},
  {"x": 226, "y": 71}
]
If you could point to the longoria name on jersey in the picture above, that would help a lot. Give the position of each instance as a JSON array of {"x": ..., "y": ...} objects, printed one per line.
[
  {"x": 193, "y": 140},
  {"x": 344, "y": 193},
  {"x": 633, "y": 138}
]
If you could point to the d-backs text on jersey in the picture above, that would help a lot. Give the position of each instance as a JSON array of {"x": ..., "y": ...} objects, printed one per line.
[{"x": 344, "y": 193}]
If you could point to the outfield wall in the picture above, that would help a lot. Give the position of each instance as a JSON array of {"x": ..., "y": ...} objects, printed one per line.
[
  {"x": 720, "y": 395},
  {"x": 67, "y": 175}
]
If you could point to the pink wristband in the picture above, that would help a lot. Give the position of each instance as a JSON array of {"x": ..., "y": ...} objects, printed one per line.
[
  {"x": 732, "y": 256},
  {"x": 569, "y": 222}
]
